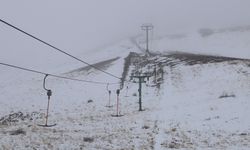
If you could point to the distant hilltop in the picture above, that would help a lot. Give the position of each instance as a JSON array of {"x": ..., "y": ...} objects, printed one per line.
[{"x": 204, "y": 32}]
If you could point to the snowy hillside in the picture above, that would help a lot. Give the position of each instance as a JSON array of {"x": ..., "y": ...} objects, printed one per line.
[
  {"x": 190, "y": 102},
  {"x": 232, "y": 42}
]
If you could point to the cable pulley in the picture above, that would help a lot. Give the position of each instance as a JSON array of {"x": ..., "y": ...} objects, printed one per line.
[{"x": 118, "y": 92}]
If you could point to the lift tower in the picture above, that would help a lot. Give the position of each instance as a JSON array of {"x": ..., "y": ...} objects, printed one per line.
[
  {"x": 147, "y": 27},
  {"x": 140, "y": 81}
]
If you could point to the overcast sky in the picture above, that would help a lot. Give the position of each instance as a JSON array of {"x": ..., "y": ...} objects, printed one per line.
[{"x": 81, "y": 25}]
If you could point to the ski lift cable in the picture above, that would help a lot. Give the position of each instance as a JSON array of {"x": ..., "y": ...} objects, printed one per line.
[
  {"x": 53, "y": 75},
  {"x": 60, "y": 50}
]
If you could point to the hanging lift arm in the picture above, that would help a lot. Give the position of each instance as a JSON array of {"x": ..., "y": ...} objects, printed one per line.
[{"x": 49, "y": 92}]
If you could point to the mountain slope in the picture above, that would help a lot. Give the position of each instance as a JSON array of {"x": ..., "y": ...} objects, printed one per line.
[
  {"x": 191, "y": 101},
  {"x": 224, "y": 42}
]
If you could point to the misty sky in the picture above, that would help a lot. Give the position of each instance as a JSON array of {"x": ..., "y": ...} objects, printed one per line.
[{"x": 81, "y": 25}]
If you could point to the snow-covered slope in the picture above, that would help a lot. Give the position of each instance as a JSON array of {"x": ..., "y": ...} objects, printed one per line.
[
  {"x": 193, "y": 104},
  {"x": 206, "y": 107},
  {"x": 225, "y": 43}
]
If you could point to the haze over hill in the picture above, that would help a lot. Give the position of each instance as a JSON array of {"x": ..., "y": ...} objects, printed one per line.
[{"x": 83, "y": 26}]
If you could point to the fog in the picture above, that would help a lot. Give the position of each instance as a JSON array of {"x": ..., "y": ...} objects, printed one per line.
[{"x": 84, "y": 25}]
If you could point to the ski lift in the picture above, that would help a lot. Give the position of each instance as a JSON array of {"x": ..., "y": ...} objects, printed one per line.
[
  {"x": 117, "y": 104},
  {"x": 109, "y": 92},
  {"x": 49, "y": 94}
]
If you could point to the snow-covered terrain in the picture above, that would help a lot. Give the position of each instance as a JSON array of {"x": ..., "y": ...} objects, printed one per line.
[
  {"x": 192, "y": 102},
  {"x": 233, "y": 42}
]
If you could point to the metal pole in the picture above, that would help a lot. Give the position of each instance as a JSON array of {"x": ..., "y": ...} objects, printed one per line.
[
  {"x": 126, "y": 92},
  {"x": 49, "y": 94},
  {"x": 147, "y": 28},
  {"x": 47, "y": 115},
  {"x": 141, "y": 80},
  {"x": 147, "y": 50},
  {"x": 117, "y": 105},
  {"x": 139, "y": 90},
  {"x": 109, "y": 98}
]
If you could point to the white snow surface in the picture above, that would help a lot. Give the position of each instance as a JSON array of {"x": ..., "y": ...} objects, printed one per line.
[
  {"x": 232, "y": 44},
  {"x": 185, "y": 113}
]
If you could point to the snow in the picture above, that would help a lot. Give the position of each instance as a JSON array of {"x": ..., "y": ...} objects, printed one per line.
[
  {"x": 232, "y": 44},
  {"x": 187, "y": 112},
  {"x": 192, "y": 105}
]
